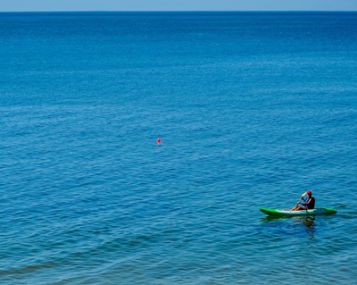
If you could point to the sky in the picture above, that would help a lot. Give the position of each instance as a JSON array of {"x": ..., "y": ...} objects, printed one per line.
[{"x": 176, "y": 5}]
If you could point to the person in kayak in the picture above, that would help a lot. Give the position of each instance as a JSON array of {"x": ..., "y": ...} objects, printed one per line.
[{"x": 307, "y": 202}]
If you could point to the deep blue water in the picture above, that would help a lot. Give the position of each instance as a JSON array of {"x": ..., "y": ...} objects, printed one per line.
[{"x": 252, "y": 110}]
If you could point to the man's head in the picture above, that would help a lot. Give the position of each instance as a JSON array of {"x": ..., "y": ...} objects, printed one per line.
[{"x": 309, "y": 193}]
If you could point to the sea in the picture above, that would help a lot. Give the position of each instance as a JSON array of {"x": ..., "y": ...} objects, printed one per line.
[{"x": 252, "y": 109}]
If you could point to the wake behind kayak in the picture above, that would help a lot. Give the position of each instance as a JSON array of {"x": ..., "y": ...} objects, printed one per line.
[{"x": 289, "y": 213}]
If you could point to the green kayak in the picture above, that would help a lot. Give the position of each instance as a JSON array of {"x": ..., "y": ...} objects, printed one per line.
[{"x": 288, "y": 213}]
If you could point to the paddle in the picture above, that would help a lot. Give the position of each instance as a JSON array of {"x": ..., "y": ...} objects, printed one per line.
[{"x": 304, "y": 201}]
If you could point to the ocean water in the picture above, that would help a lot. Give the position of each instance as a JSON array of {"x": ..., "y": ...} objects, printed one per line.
[{"x": 252, "y": 110}]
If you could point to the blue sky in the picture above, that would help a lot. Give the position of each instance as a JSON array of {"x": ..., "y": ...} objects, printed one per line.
[{"x": 162, "y": 5}]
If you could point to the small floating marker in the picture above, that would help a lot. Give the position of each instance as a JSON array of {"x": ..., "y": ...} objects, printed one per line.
[{"x": 158, "y": 141}]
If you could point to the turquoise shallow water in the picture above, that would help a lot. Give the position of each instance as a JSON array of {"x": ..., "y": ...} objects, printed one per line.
[{"x": 252, "y": 110}]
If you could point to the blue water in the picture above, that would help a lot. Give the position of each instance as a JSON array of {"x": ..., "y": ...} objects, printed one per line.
[{"x": 252, "y": 110}]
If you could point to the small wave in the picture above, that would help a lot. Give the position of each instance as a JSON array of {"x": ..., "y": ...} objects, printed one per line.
[{"x": 27, "y": 269}]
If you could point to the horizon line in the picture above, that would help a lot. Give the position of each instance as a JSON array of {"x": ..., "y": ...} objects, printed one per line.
[{"x": 177, "y": 11}]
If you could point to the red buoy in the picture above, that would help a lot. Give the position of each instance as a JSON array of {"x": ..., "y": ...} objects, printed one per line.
[{"x": 158, "y": 141}]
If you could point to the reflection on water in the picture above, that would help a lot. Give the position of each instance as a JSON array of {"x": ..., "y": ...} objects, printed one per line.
[
  {"x": 308, "y": 221},
  {"x": 305, "y": 222}
]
